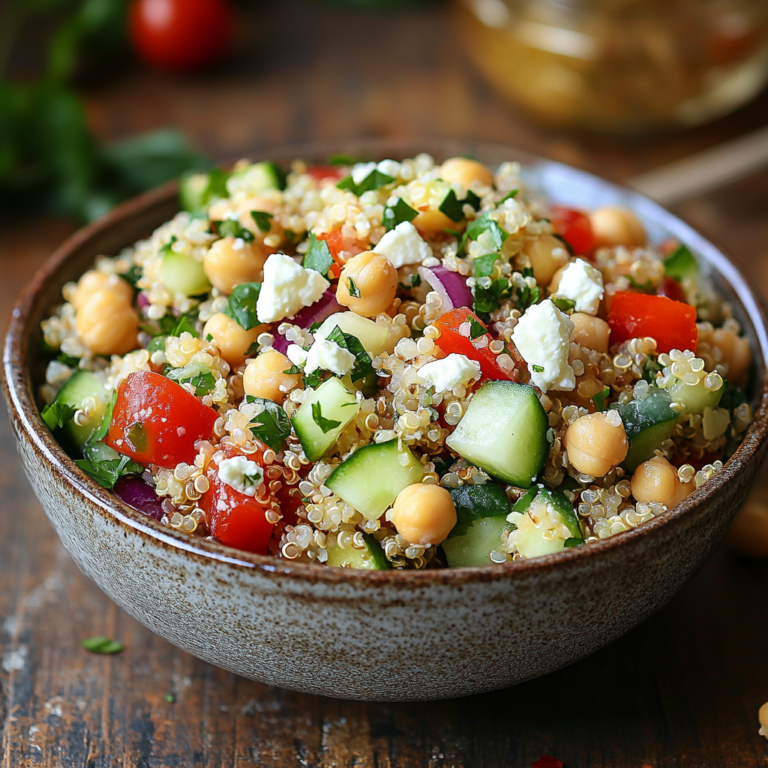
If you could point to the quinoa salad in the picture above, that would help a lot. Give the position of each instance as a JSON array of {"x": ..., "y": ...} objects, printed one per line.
[{"x": 398, "y": 364}]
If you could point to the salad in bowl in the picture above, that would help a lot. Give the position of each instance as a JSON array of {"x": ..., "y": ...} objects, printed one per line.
[{"x": 396, "y": 365}]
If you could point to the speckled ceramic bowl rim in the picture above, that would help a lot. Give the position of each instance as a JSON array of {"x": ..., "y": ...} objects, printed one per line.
[{"x": 19, "y": 391}]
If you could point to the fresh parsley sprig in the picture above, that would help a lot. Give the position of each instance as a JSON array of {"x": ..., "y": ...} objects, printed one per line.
[
  {"x": 272, "y": 426},
  {"x": 241, "y": 305},
  {"x": 318, "y": 257},
  {"x": 374, "y": 180},
  {"x": 397, "y": 214},
  {"x": 363, "y": 364}
]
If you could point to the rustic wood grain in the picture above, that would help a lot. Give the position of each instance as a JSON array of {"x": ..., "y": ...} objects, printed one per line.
[{"x": 681, "y": 690}]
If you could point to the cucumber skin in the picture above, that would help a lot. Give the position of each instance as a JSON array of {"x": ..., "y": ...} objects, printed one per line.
[
  {"x": 371, "y": 558},
  {"x": 528, "y": 444},
  {"x": 472, "y": 548},
  {"x": 78, "y": 386},
  {"x": 695, "y": 398},
  {"x": 183, "y": 274},
  {"x": 648, "y": 423}
]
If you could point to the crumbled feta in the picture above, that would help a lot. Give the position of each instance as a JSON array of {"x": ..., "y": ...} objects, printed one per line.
[
  {"x": 296, "y": 354},
  {"x": 287, "y": 288},
  {"x": 362, "y": 171},
  {"x": 242, "y": 474},
  {"x": 329, "y": 356},
  {"x": 582, "y": 283},
  {"x": 543, "y": 338},
  {"x": 403, "y": 245},
  {"x": 451, "y": 372}
]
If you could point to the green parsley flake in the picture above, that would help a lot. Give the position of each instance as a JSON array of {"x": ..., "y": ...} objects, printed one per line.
[{"x": 102, "y": 645}]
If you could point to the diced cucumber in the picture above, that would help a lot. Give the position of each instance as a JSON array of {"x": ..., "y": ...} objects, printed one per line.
[
  {"x": 78, "y": 387},
  {"x": 681, "y": 263},
  {"x": 504, "y": 432},
  {"x": 257, "y": 178},
  {"x": 648, "y": 423},
  {"x": 370, "y": 479},
  {"x": 183, "y": 274},
  {"x": 198, "y": 190},
  {"x": 564, "y": 507},
  {"x": 370, "y": 558},
  {"x": 481, "y": 512},
  {"x": 336, "y": 403},
  {"x": 695, "y": 397},
  {"x": 371, "y": 335}
]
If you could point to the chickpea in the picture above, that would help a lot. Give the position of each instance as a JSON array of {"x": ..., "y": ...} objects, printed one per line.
[
  {"x": 267, "y": 205},
  {"x": 265, "y": 376},
  {"x": 220, "y": 210},
  {"x": 762, "y": 716},
  {"x": 749, "y": 532},
  {"x": 107, "y": 324},
  {"x": 433, "y": 223},
  {"x": 93, "y": 281},
  {"x": 586, "y": 388},
  {"x": 424, "y": 514},
  {"x": 596, "y": 443},
  {"x": 466, "y": 172},
  {"x": 656, "y": 480},
  {"x": 736, "y": 352},
  {"x": 231, "y": 338},
  {"x": 614, "y": 226},
  {"x": 375, "y": 280},
  {"x": 228, "y": 265},
  {"x": 590, "y": 332},
  {"x": 547, "y": 255}
]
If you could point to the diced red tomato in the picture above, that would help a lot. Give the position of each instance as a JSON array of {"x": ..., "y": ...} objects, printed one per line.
[
  {"x": 636, "y": 315},
  {"x": 670, "y": 288},
  {"x": 234, "y": 518},
  {"x": 156, "y": 421},
  {"x": 452, "y": 340},
  {"x": 338, "y": 242},
  {"x": 574, "y": 227},
  {"x": 322, "y": 172}
]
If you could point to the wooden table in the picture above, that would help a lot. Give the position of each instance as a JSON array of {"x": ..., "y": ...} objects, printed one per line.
[{"x": 681, "y": 690}]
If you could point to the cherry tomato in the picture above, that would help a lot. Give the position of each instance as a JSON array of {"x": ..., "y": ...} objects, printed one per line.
[
  {"x": 181, "y": 35},
  {"x": 670, "y": 288},
  {"x": 156, "y": 421},
  {"x": 233, "y": 518},
  {"x": 323, "y": 172},
  {"x": 451, "y": 339},
  {"x": 637, "y": 315},
  {"x": 574, "y": 227}
]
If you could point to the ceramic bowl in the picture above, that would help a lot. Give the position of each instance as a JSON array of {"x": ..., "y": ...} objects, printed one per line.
[{"x": 375, "y": 635}]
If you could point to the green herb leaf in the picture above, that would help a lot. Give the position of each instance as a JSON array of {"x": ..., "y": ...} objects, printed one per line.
[
  {"x": 646, "y": 287},
  {"x": 599, "y": 398},
  {"x": 170, "y": 698},
  {"x": 106, "y": 466},
  {"x": 106, "y": 420},
  {"x": 481, "y": 225},
  {"x": 233, "y": 228},
  {"x": 342, "y": 159},
  {"x": 681, "y": 264},
  {"x": 57, "y": 414},
  {"x": 483, "y": 265},
  {"x": 538, "y": 368},
  {"x": 132, "y": 276},
  {"x": 318, "y": 257},
  {"x": 415, "y": 282},
  {"x": 397, "y": 214},
  {"x": 102, "y": 645},
  {"x": 528, "y": 272},
  {"x": 363, "y": 364},
  {"x": 476, "y": 329},
  {"x": 272, "y": 425},
  {"x": 508, "y": 196},
  {"x": 200, "y": 377},
  {"x": 198, "y": 190},
  {"x": 263, "y": 220},
  {"x": 68, "y": 360},
  {"x": 487, "y": 300},
  {"x": 374, "y": 180},
  {"x": 354, "y": 291},
  {"x": 326, "y": 425},
  {"x": 241, "y": 305},
  {"x": 563, "y": 304},
  {"x": 452, "y": 207}
]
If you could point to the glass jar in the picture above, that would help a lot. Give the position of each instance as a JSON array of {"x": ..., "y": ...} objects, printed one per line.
[{"x": 620, "y": 66}]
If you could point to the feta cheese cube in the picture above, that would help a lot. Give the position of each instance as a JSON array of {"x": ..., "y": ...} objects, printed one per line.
[
  {"x": 451, "y": 372},
  {"x": 543, "y": 338},
  {"x": 404, "y": 245},
  {"x": 582, "y": 283},
  {"x": 242, "y": 474},
  {"x": 287, "y": 288},
  {"x": 296, "y": 354},
  {"x": 327, "y": 355}
]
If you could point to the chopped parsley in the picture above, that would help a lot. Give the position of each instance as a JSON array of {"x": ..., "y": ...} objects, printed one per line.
[
  {"x": 681, "y": 263},
  {"x": 68, "y": 360},
  {"x": 263, "y": 220},
  {"x": 374, "y": 180},
  {"x": 326, "y": 425},
  {"x": 169, "y": 325},
  {"x": 233, "y": 228},
  {"x": 476, "y": 329},
  {"x": 271, "y": 426},
  {"x": 57, "y": 414},
  {"x": 481, "y": 225},
  {"x": 102, "y": 645},
  {"x": 415, "y": 282},
  {"x": 508, "y": 196},
  {"x": 106, "y": 466},
  {"x": 398, "y": 213},
  {"x": 363, "y": 364},
  {"x": 526, "y": 296},
  {"x": 599, "y": 398},
  {"x": 538, "y": 369},
  {"x": 342, "y": 159},
  {"x": 318, "y": 257},
  {"x": 168, "y": 247},
  {"x": 483, "y": 265},
  {"x": 106, "y": 420},
  {"x": 563, "y": 304},
  {"x": 354, "y": 291},
  {"x": 453, "y": 208},
  {"x": 195, "y": 374},
  {"x": 132, "y": 276},
  {"x": 241, "y": 305},
  {"x": 487, "y": 300}
]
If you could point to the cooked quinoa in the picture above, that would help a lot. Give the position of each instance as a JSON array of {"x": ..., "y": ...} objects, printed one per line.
[{"x": 522, "y": 377}]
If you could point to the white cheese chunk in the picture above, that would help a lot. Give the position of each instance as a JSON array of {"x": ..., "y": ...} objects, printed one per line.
[
  {"x": 403, "y": 245},
  {"x": 327, "y": 355},
  {"x": 451, "y": 372},
  {"x": 362, "y": 171},
  {"x": 296, "y": 354},
  {"x": 582, "y": 283},
  {"x": 287, "y": 288},
  {"x": 241, "y": 474},
  {"x": 543, "y": 338}
]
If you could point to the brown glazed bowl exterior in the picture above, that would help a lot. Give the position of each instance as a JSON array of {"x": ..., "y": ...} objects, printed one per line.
[{"x": 360, "y": 634}]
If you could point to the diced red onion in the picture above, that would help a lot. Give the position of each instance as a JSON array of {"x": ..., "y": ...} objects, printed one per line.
[
  {"x": 450, "y": 286},
  {"x": 142, "y": 300},
  {"x": 137, "y": 494},
  {"x": 305, "y": 318}
]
